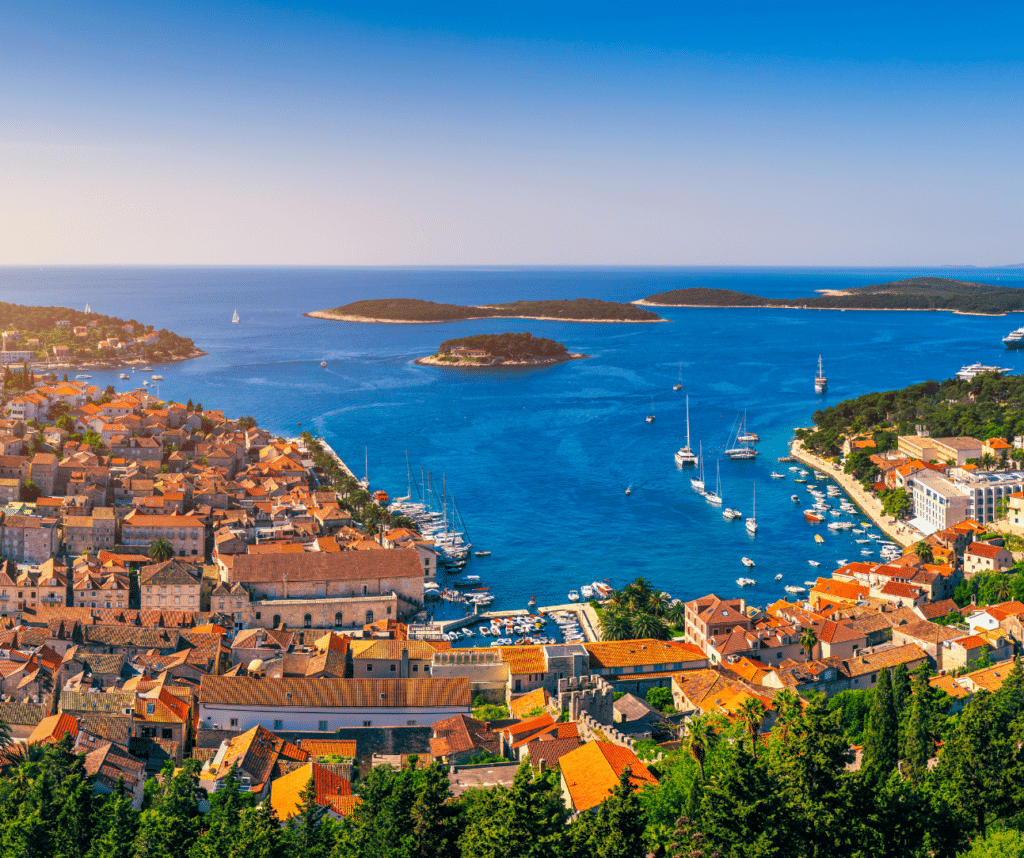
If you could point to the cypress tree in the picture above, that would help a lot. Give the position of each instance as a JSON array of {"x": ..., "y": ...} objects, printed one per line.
[
  {"x": 882, "y": 734},
  {"x": 900, "y": 689},
  {"x": 917, "y": 744},
  {"x": 117, "y": 823},
  {"x": 434, "y": 822},
  {"x": 259, "y": 835}
]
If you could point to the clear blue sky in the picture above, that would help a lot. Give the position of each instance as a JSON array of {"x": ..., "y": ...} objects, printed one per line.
[{"x": 752, "y": 133}]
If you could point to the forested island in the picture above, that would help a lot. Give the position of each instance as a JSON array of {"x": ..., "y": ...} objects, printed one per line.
[
  {"x": 915, "y": 293},
  {"x": 62, "y": 336},
  {"x": 508, "y": 349},
  {"x": 415, "y": 311}
]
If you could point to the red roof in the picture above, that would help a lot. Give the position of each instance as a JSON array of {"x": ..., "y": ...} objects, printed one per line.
[{"x": 984, "y": 549}]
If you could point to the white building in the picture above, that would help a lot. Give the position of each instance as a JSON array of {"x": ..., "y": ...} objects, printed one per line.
[
  {"x": 324, "y": 705},
  {"x": 941, "y": 502}
]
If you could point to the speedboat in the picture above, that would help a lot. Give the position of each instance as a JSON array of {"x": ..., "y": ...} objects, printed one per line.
[
  {"x": 795, "y": 498},
  {"x": 818, "y": 539},
  {"x": 745, "y": 582},
  {"x": 814, "y": 563},
  {"x": 587, "y": 592},
  {"x": 574, "y": 596},
  {"x": 777, "y": 476},
  {"x": 124, "y": 376},
  {"x": 778, "y": 577},
  {"x": 729, "y": 513},
  {"x": 793, "y": 588}
]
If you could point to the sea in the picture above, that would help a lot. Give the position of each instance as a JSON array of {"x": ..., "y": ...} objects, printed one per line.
[{"x": 537, "y": 461}]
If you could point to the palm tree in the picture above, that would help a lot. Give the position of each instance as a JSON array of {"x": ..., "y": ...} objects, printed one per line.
[
  {"x": 616, "y": 625},
  {"x": 646, "y": 625},
  {"x": 676, "y": 614},
  {"x": 924, "y": 551},
  {"x": 787, "y": 704},
  {"x": 640, "y": 591},
  {"x": 1003, "y": 589},
  {"x": 752, "y": 711},
  {"x": 808, "y": 639},
  {"x": 701, "y": 735},
  {"x": 161, "y": 550}
]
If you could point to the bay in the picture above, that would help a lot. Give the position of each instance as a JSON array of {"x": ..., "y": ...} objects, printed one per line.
[{"x": 539, "y": 459}]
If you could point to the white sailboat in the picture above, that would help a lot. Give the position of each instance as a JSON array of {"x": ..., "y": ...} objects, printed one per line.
[
  {"x": 323, "y": 360},
  {"x": 650, "y": 417},
  {"x": 745, "y": 436},
  {"x": 740, "y": 450},
  {"x": 820, "y": 381},
  {"x": 679, "y": 385},
  {"x": 715, "y": 498},
  {"x": 234, "y": 318},
  {"x": 684, "y": 455},
  {"x": 698, "y": 481},
  {"x": 88, "y": 309},
  {"x": 752, "y": 521}
]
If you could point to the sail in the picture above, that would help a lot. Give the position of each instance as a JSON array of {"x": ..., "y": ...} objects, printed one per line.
[{"x": 235, "y": 320}]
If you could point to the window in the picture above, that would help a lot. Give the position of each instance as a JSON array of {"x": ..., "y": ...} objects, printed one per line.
[
  {"x": 277, "y": 620},
  {"x": 150, "y": 708},
  {"x": 322, "y": 726},
  {"x": 410, "y": 723},
  {"x": 369, "y": 668},
  {"x": 307, "y": 621},
  {"x": 369, "y": 617},
  {"x": 337, "y": 619},
  {"x": 392, "y": 668},
  {"x": 257, "y": 615},
  {"x": 278, "y": 725},
  {"x": 367, "y": 723},
  {"x": 234, "y": 722},
  {"x": 415, "y": 668},
  {"x": 167, "y": 733}
]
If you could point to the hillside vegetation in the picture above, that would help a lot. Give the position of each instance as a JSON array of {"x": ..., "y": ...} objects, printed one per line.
[
  {"x": 415, "y": 310},
  {"x": 987, "y": 406},
  {"x": 41, "y": 323},
  {"x": 509, "y": 346},
  {"x": 915, "y": 293}
]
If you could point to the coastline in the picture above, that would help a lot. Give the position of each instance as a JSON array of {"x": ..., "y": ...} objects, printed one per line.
[
  {"x": 337, "y": 317},
  {"x": 642, "y": 302},
  {"x": 432, "y": 360},
  {"x": 869, "y": 504},
  {"x": 115, "y": 364}
]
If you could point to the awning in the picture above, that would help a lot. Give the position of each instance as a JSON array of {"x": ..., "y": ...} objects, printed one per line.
[{"x": 926, "y": 527}]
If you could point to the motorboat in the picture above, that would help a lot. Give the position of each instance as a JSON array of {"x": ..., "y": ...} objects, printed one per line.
[
  {"x": 574, "y": 596},
  {"x": 777, "y": 476},
  {"x": 818, "y": 538},
  {"x": 813, "y": 517},
  {"x": 795, "y": 498},
  {"x": 795, "y": 588},
  {"x": 124, "y": 376},
  {"x": 746, "y": 561},
  {"x": 158, "y": 378},
  {"x": 814, "y": 563},
  {"x": 729, "y": 514},
  {"x": 778, "y": 577},
  {"x": 745, "y": 582},
  {"x": 587, "y": 592},
  {"x": 650, "y": 417}
]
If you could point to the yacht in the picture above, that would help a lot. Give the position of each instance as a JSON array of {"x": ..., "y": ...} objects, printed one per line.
[
  {"x": 745, "y": 582},
  {"x": 83, "y": 375},
  {"x": 158, "y": 378},
  {"x": 124, "y": 376},
  {"x": 729, "y": 514},
  {"x": 1014, "y": 339},
  {"x": 574, "y": 596},
  {"x": 684, "y": 455},
  {"x": 794, "y": 588},
  {"x": 777, "y": 476},
  {"x": 814, "y": 563},
  {"x": 820, "y": 381}
]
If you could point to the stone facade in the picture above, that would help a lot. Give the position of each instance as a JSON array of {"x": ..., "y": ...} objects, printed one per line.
[{"x": 587, "y": 695}]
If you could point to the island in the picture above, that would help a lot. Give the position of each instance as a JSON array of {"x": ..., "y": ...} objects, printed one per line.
[
  {"x": 49, "y": 337},
  {"x": 508, "y": 349},
  {"x": 415, "y": 311},
  {"x": 915, "y": 293}
]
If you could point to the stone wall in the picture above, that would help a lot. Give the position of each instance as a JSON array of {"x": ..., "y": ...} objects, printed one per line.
[{"x": 587, "y": 695}]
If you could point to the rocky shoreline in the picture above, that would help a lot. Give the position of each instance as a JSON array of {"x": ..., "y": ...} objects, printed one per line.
[
  {"x": 434, "y": 360},
  {"x": 337, "y": 317},
  {"x": 40, "y": 366}
]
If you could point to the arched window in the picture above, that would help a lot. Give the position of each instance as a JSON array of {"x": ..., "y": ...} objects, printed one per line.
[
  {"x": 337, "y": 619},
  {"x": 277, "y": 620},
  {"x": 307, "y": 621},
  {"x": 369, "y": 617}
]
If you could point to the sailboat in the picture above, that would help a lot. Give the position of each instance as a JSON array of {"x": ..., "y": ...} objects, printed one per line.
[
  {"x": 698, "y": 482},
  {"x": 679, "y": 385},
  {"x": 88, "y": 309},
  {"x": 715, "y": 498},
  {"x": 323, "y": 360},
  {"x": 650, "y": 417},
  {"x": 820, "y": 381},
  {"x": 234, "y": 319},
  {"x": 365, "y": 481},
  {"x": 684, "y": 455},
  {"x": 740, "y": 451},
  {"x": 752, "y": 521},
  {"x": 744, "y": 436}
]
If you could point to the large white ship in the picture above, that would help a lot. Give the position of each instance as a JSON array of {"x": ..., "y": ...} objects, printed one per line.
[{"x": 1014, "y": 339}]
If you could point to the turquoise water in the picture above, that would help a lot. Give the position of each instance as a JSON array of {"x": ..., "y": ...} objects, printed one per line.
[{"x": 539, "y": 459}]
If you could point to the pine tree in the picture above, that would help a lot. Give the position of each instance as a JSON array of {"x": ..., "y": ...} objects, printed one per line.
[
  {"x": 223, "y": 820},
  {"x": 434, "y": 819},
  {"x": 116, "y": 827},
  {"x": 303, "y": 834},
  {"x": 259, "y": 835},
  {"x": 621, "y": 823},
  {"x": 881, "y": 751}
]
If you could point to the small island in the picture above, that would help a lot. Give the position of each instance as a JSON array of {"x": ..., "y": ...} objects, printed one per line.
[
  {"x": 490, "y": 350},
  {"x": 915, "y": 293},
  {"x": 415, "y": 311},
  {"x": 50, "y": 337}
]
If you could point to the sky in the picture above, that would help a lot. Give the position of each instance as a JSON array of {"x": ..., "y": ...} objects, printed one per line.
[{"x": 504, "y": 133}]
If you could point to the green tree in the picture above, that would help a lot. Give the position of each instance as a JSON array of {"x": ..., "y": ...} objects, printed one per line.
[
  {"x": 752, "y": 711},
  {"x": 998, "y": 843},
  {"x": 808, "y": 640},
  {"x": 259, "y": 835},
  {"x": 900, "y": 689},
  {"x": 924, "y": 551},
  {"x": 116, "y": 827},
  {"x": 918, "y": 741},
  {"x": 30, "y": 492},
  {"x": 881, "y": 751},
  {"x": 161, "y": 550},
  {"x": 435, "y": 816},
  {"x": 616, "y": 830},
  {"x": 224, "y": 819},
  {"x": 304, "y": 834},
  {"x": 660, "y": 698}
]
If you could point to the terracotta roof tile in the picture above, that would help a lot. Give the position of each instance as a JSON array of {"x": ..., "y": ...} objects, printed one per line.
[{"x": 593, "y": 770}]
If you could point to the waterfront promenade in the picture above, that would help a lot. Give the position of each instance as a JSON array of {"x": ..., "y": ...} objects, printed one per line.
[{"x": 868, "y": 503}]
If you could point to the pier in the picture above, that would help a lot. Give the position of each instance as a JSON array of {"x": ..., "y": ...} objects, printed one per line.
[
  {"x": 298, "y": 442},
  {"x": 586, "y": 615}
]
